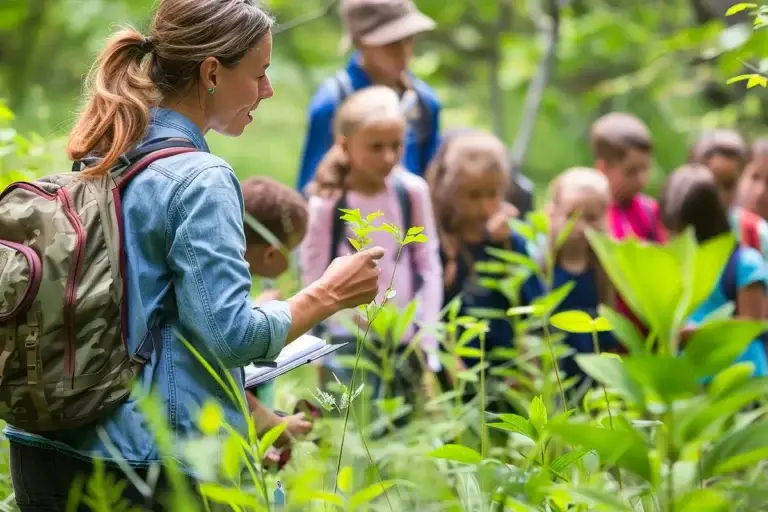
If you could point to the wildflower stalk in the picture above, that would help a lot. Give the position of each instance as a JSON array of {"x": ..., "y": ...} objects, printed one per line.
[
  {"x": 555, "y": 365},
  {"x": 354, "y": 369},
  {"x": 596, "y": 349}
]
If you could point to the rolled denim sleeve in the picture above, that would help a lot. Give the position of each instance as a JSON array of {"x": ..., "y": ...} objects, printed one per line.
[{"x": 211, "y": 278}]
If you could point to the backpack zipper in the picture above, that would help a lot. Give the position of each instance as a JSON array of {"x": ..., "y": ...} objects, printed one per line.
[
  {"x": 70, "y": 296},
  {"x": 35, "y": 276}
]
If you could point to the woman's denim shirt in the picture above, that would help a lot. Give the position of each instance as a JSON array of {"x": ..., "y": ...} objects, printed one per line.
[{"x": 186, "y": 273}]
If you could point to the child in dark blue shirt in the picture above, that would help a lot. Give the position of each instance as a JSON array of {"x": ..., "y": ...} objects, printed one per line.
[
  {"x": 468, "y": 180},
  {"x": 583, "y": 192}
]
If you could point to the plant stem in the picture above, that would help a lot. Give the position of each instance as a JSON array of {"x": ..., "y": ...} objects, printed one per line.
[
  {"x": 354, "y": 369},
  {"x": 596, "y": 348},
  {"x": 548, "y": 337},
  {"x": 483, "y": 432},
  {"x": 370, "y": 459}
]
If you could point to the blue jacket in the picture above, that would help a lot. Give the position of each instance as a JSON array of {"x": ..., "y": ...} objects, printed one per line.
[
  {"x": 319, "y": 138},
  {"x": 183, "y": 225}
]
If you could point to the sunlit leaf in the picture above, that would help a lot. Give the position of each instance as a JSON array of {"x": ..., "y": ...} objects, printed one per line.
[
  {"x": 369, "y": 494},
  {"x": 354, "y": 243},
  {"x": 415, "y": 230},
  {"x": 626, "y": 449},
  {"x": 623, "y": 329},
  {"x": 344, "y": 481},
  {"x": 537, "y": 414},
  {"x": 741, "y": 6},
  {"x": 611, "y": 372},
  {"x": 707, "y": 350},
  {"x": 456, "y": 453},
  {"x": 562, "y": 463},
  {"x": 269, "y": 438},
  {"x": 668, "y": 378},
  {"x": 731, "y": 379},
  {"x": 211, "y": 418}
]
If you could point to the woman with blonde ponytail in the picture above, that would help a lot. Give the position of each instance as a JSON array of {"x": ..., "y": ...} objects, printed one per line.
[{"x": 201, "y": 67}]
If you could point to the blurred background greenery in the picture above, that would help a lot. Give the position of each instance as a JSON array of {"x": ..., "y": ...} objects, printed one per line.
[{"x": 665, "y": 60}]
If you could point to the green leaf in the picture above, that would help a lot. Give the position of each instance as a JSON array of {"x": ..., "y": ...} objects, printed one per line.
[
  {"x": 562, "y": 463},
  {"x": 579, "y": 322},
  {"x": 627, "y": 449},
  {"x": 514, "y": 423},
  {"x": 715, "y": 345},
  {"x": 415, "y": 230},
  {"x": 544, "y": 306},
  {"x": 730, "y": 379},
  {"x": 738, "y": 450},
  {"x": 373, "y": 216},
  {"x": 229, "y": 495},
  {"x": 404, "y": 319},
  {"x": 597, "y": 497},
  {"x": 468, "y": 352},
  {"x": 391, "y": 229},
  {"x": 624, "y": 330},
  {"x": 322, "y": 496},
  {"x": 354, "y": 243},
  {"x": 757, "y": 80},
  {"x": 703, "y": 500},
  {"x": 421, "y": 238},
  {"x": 741, "y": 6},
  {"x": 514, "y": 258},
  {"x": 537, "y": 414},
  {"x": 230, "y": 458},
  {"x": 456, "y": 453},
  {"x": 710, "y": 260},
  {"x": 369, "y": 494},
  {"x": 668, "y": 378},
  {"x": 524, "y": 230},
  {"x": 344, "y": 480},
  {"x": 269, "y": 438},
  {"x": 611, "y": 372}
]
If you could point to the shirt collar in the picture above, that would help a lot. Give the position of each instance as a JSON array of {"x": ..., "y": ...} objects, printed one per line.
[{"x": 166, "y": 123}]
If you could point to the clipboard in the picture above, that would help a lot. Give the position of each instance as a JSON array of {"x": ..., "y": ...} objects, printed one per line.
[{"x": 273, "y": 370}]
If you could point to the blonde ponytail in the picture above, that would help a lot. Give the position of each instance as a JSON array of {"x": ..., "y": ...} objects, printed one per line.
[{"x": 119, "y": 95}]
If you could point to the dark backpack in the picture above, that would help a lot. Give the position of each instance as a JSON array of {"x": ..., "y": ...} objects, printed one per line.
[{"x": 63, "y": 317}]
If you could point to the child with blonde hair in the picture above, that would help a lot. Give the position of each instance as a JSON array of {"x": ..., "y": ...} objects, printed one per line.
[
  {"x": 362, "y": 171},
  {"x": 585, "y": 193},
  {"x": 468, "y": 180}
]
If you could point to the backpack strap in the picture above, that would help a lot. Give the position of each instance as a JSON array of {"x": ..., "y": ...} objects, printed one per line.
[
  {"x": 729, "y": 284},
  {"x": 138, "y": 159},
  {"x": 343, "y": 85},
  {"x": 406, "y": 207},
  {"x": 748, "y": 230},
  {"x": 337, "y": 226}
]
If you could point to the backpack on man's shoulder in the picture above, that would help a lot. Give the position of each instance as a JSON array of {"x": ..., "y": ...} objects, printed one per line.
[{"x": 63, "y": 346}]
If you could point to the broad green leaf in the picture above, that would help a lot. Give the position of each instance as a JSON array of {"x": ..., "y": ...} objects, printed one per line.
[
  {"x": 579, "y": 322},
  {"x": 667, "y": 378},
  {"x": 456, "y": 453},
  {"x": 757, "y": 80},
  {"x": 626, "y": 449},
  {"x": 420, "y": 238},
  {"x": 562, "y": 463},
  {"x": 741, "y": 6},
  {"x": 354, "y": 243},
  {"x": 540, "y": 221},
  {"x": 738, "y": 450},
  {"x": 369, "y": 494},
  {"x": 523, "y": 229},
  {"x": 611, "y": 372},
  {"x": 537, "y": 414},
  {"x": 636, "y": 269},
  {"x": 415, "y": 230},
  {"x": 405, "y": 319},
  {"x": 731, "y": 379},
  {"x": 711, "y": 258},
  {"x": 322, "y": 496},
  {"x": 703, "y": 500},
  {"x": 269, "y": 438},
  {"x": 624, "y": 330},
  {"x": 230, "y": 458},
  {"x": 344, "y": 480},
  {"x": 716, "y": 412},
  {"x": 715, "y": 345}
]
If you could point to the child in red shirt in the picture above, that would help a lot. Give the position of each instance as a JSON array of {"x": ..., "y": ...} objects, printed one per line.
[{"x": 622, "y": 147}]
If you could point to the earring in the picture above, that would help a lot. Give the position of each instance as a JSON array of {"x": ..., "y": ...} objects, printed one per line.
[{"x": 211, "y": 90}]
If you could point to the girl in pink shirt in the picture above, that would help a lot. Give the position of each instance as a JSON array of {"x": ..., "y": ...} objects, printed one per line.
[{"x": 361, "y": 171}]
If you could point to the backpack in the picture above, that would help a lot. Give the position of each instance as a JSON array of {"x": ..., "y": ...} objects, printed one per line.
[
  {"x": 63, "y": 324},
  {"x": 424, "y": 127}
]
